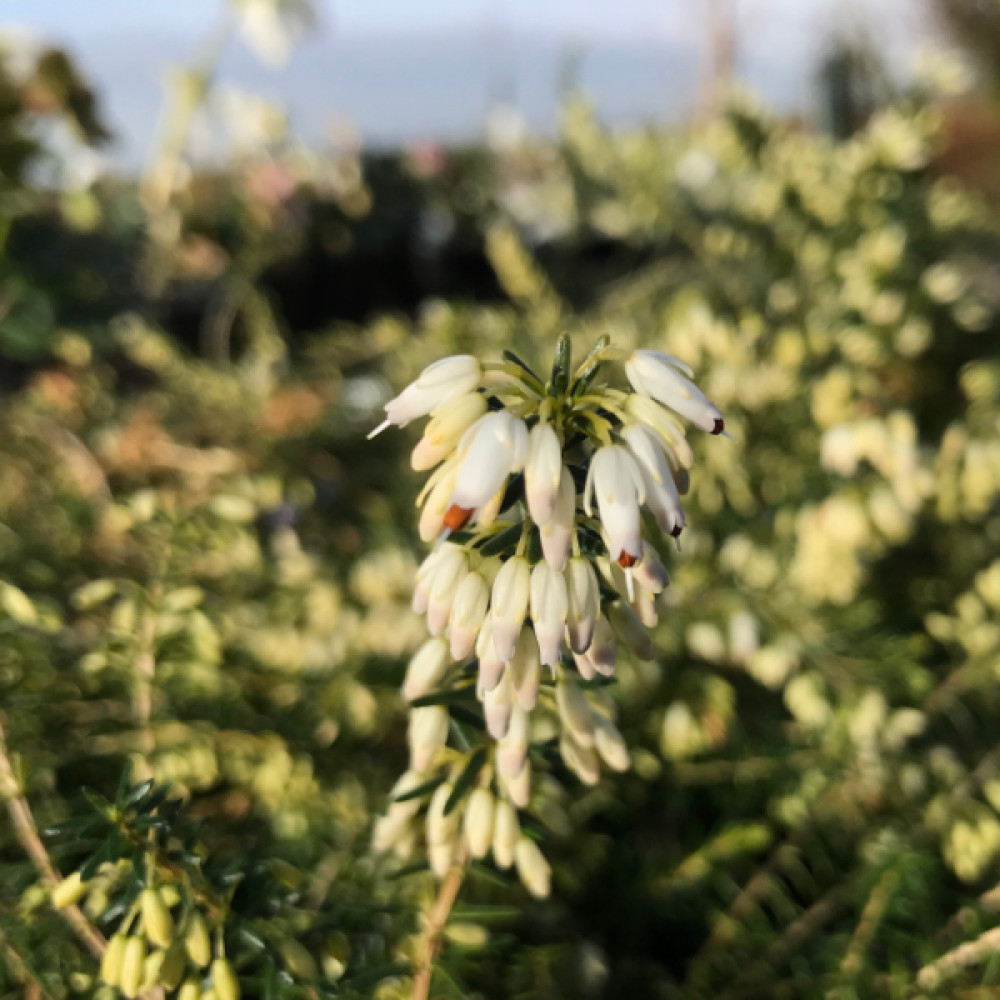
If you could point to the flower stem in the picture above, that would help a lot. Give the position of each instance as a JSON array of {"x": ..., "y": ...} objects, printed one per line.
[
  {"x": 434, "y": 925},
  {"x": 27, "y": 836}
]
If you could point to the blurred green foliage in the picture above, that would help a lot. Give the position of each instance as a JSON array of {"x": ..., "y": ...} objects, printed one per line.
[{"x": 206, "y": 568}]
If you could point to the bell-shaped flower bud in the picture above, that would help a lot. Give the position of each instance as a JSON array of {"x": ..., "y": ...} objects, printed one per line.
[
  {"x": 506, "y": 833},
  {"x": 492, "y": 448},
  {"x": 133, "y": 962},
  {"x": 603, "y": 652},
  {"x": 610, "y": 744},
  {"x": 509, "y": 604},
  {"x": 426, "y": 668},
  {"x": 662, "y": 497},
  {"x": 425, "y": 576},
  {"x": 575, "y": 712},
  {"x": 467, "y": 613},
  {"x": 585, "y": 666},
  {"x": 436, "y": 385},
  {"x": 525, "y": 670},
  {"x": 519, "y": 788},
  {"x": 512, "y": 750},
  {"x": 630, "y": 630},
  {"x": 498, "y": 703},
  {"x": 450, "y": 570},
  {"x": 549, "y": 605},
  {"x": 479, "y": 822},
  {"x": 658, "y": 376},
  {"x": 615, "y": 480},
  {"x": 197, "y": 942},
  {"x": 668, "y": 429},
  {"x": 581, "y": 760},
  {"x": 491, "y": 667},
  {"x": 69, "y": 891},
  {"x": 440, "y": 856},
  {"x": 427, "y": 734},
  {"x": 156, "y": 919},
  {"x": 644, "y": 606},
  {"x": 542, "y": 471},
  {"x": 445, "y": 430},
  {"x": 650, "y": 573},
  {"x": 583, "y": 597},
  {"x": 557, "y": 533},
  {"x": 224, "y": 980},
  {"x": 437, "y": 502},
  {"x": 532, "y": 868},
  {"x": 113, "y": 959}
]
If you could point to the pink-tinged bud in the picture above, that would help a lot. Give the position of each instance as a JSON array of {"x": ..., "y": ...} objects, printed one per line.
[
  {"x": 491, "y": 667},
  {"x": 630, "y": 630},
  {"x": 493, "y": 448},
  {"x": 509, "y": 604},
  {"x": 428, "y": 733},
  {"x": 519, "y": 788},
  {"x": 512, "y": 750},
  {"x": 525, "y": 670},
  {"x": 585, "y": 666},
  {"x": 425, "y": 576},
  {"x": 542, "y": 472},
  {"x": 506, "y": 833},
  {"x": 603, "y": 652},
  {"x": 436, "y": 385},
  {"x": 467, "y": 613},
  {"x": 610, "y": 744},
  {"x": 532, "y": 868},
  {"x": 498, "y": 704},
  {"x": 583, "y": 596},
  {"x": 479, "y": 822},
  {"x": 657, "y": 375},
  {"x": 449, "y": 572},
  {"x": 575, "y": 712},
  {"x": 581, "y": 760},
  {"x": 650, "y": 572},
  {"x": 445, "y": 430},
  {"x": 662, "y": 497},
  {"x": 557, "y": 533},
  {"x": 615, "y": 480},
  {"x": 426, "y": 668},
  {"x": 548, "y": 611}
]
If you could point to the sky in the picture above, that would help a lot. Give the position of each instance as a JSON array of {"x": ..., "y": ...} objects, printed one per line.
[{"x": 410, "y": 69}]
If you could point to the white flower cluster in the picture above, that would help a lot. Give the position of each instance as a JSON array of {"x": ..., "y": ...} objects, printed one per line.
[{"x": 535, "y": 506}]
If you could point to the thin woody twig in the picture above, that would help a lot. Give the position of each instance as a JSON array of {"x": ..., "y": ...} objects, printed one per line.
[
  {"x": 436, "y": 920},
  {"x": 27, "y": 835}
]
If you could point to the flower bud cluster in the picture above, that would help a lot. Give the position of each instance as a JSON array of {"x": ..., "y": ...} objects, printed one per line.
[
  {"x": 544, "y": 506},
  {"x": 163, "y": 939}
]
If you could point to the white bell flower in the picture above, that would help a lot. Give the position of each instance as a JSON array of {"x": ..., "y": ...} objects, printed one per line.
[
  {"x": 509, "y": 605},
  {"x": 450, "y": 570},
  {"x": 467, "y": 613},
  {"x": 660, "y": 377},
  {"x": 558, "y": 532},
  {"x": 615, "y": 479},
  {"x": 435, "y": 386},
  {"x": 662, "y": 497},
  {"x": 583, "y": 603},
  {"x": 525, "y": 670},
  {"x": 542, "y": 472},
  {"x": 427, "y": 666},
  {"x": 549, "y": 605},
  {"x": 491, "y": 667},
  {"x": 506, "y": 833},
  {"x": 491, "y": 449},
  {"x": 445, "y": 429}
]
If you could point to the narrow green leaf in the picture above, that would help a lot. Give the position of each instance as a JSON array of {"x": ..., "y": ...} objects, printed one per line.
[
  {"x": 466, "y": 779},
  {"x": 420, "y": 790},
  {"x": 561, "y": 364}
]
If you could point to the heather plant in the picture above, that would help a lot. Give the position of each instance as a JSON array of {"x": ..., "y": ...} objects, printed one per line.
[{"x": 774, "y": 777}]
